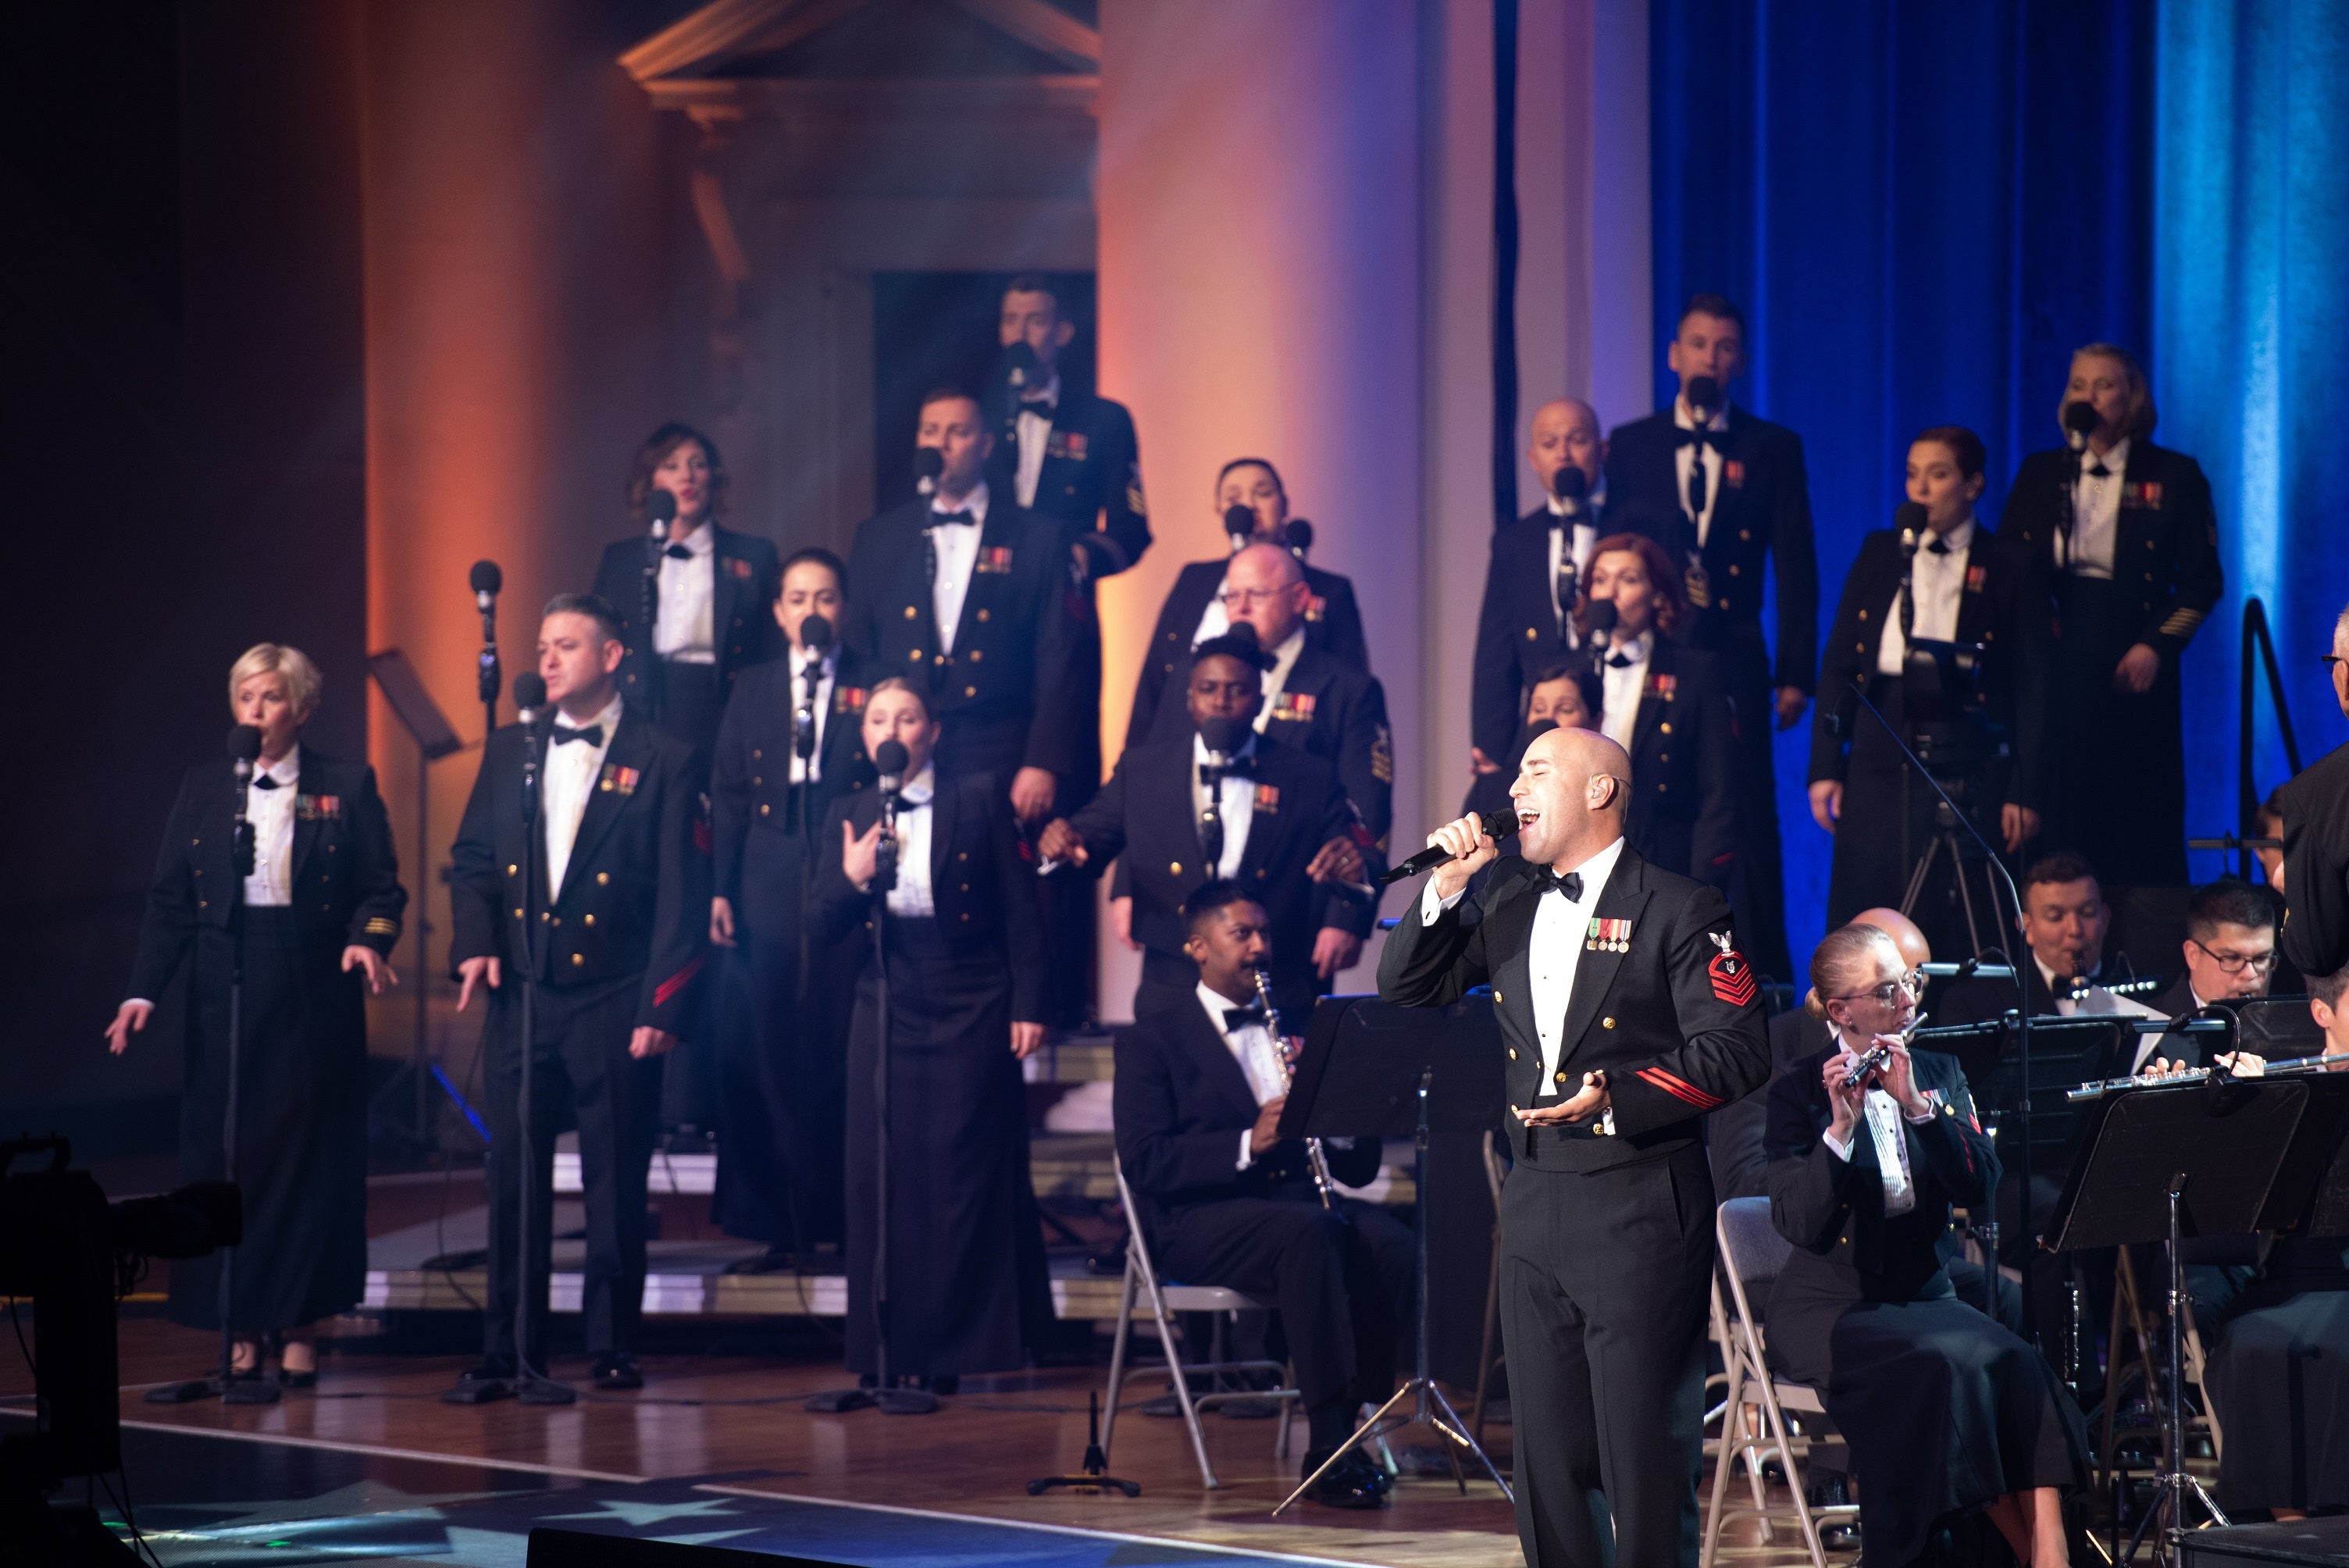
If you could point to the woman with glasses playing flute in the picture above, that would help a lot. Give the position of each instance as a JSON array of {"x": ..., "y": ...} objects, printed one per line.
[{"x": 1869, "y": 1145}]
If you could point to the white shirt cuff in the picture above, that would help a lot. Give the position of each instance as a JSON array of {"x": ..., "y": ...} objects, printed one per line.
[
  {"x": 1430, "y": 906},
  {"x": 1247, "y": 1156},
  {"x": 141, "y": 1001},
  {"x": 1840, "y": 1150}
]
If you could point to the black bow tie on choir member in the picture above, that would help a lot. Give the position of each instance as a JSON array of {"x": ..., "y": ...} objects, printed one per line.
[
  {"x": 678, "y": 552},
  {"x": 265, "y": 782},
  {"x": 1237, "y": 768},
  {"x": 2096, "y": 470},
  {"x": 1716, "y": 439},
  {"x": 592, "y": 733},
  {"x": 1570, "y": 884},
  {"x": 950, "y": 519},
  {"x": 1937, "y": 548},
  {"x": 1237, "y": 1018},
  {"x": 1619, "y": 660}
]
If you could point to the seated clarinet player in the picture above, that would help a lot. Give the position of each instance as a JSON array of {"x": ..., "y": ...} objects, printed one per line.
[
  {"x": 1223, "y": 1201},
  {"x": 1864, "y": 1169}
]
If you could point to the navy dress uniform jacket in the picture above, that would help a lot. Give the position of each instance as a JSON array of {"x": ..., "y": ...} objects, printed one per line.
[
  {"x": 1518, "y": 631},
  {"x": 1333, "y": 622},
  {"x": 2316, "y": 934},
  {"x": 1091, "y": 481},
  {"x": 2165, "y": 544},
  {"x": 746, "y": 575},
  {"x": 1003, "y": 697},
  {"x": 764, "y": 841},
  {"x": 635, "y": 895},
  {"x": 1684, "y": 813}
]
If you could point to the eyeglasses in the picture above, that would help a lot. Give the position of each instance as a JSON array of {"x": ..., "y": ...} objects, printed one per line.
[
  {"x": 2328, "y": 660},
  {"x": 2233, "y": 962},
  {"x": 1889, "y": 995},
  {"x": 1241, "y": 598}
]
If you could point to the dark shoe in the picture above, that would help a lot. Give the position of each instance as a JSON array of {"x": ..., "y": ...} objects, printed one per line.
[
  {"x": 492, "y": 1379},
  {"x": 287, "y": 1380},
  {"x": 617, "y": 1372},
  {"x": 1353, "y": 1482}
]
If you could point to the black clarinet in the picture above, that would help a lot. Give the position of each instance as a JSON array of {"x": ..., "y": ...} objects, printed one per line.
[{"x": 1316, "y": 1159}]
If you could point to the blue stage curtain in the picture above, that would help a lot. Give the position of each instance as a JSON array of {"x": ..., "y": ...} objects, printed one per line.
[
  {"x": 2250, "y": 290},
  {"x": 1922, "y": 209}
]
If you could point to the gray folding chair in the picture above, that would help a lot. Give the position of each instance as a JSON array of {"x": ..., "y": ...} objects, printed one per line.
[
  {"x": 1165, "y": 1299},
  {"x": 1754, "y": 1424}
]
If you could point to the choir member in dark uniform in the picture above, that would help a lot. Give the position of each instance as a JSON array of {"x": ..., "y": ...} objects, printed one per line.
[
  {"x": 2128, "y": 533},
  {"x": 1200, "y": 1086},
  {"x": 2277, "y": 1353},
  {"x": 1253, "y": 506},
  {"x": 2231, "y": 955},
  {"x": 1535, "y": 580},
  {"x": 1563, "y": 695},
  {"x": 320, "y": 915},
  {"x": 606, "y": 908},
  {"x": 1962, "y": 583},
  {"x": 709, "y": 599},
  {"x": 1268, "y": 816},
  {"x": 1628, "y": 1013},
  {"x": 1727, "y": 495},
  {"x": 1662, "y": 700},
  {"x": 1863, "y": 1174},
  {"x": 965, "y": 953},
  {"x": 2315, "y": 875},
  {"x": 966, "y": 593},
  {"x": 1068, "y": 456},
  {"x": 792, "y": 743}
]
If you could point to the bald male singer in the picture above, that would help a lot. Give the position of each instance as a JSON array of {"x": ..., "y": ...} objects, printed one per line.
[{"x": 1622, "y": 982}]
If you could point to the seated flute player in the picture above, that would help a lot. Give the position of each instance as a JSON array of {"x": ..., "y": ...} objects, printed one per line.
[
  {"x": 1223, "y": 1200},
  {"x": 1221, "y": 801}
]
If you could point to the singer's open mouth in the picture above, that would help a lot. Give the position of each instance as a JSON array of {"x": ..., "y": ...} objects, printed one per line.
[{"x": 1526, "y": 818}]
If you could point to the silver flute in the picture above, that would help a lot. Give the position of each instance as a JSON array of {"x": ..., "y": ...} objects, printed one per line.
[
  {"x": 1316, "y": 1158},
  {"x": 1875, "y": 1056},
  {"x": 2296, "y": 1067}
]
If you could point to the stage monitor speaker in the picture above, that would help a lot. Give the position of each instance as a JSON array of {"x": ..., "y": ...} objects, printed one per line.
[
  {"x": 2311, "y": 1542},
  {"x": 583, "y": 1549}
]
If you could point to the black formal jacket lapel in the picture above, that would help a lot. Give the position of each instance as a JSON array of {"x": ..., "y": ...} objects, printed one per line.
[
  {"x": 314, "y": 775},
  {"x": 730, "y": 578},
  {"x": 1975, "y": 584},
  {"x": 605, "y": 799},
  {"x": 1217, "y": 1068},
  {"x": 1624, "y": 897},
  {"x": 1163, "y": 795},
  {"x": 945, "y": 798}
]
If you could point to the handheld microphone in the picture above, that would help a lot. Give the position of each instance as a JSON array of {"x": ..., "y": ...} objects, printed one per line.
[
  {"x": 1703, "y": 395},
  {"x": 928, "y": 464},
  {"x": 1297, "y": 534},
  {"x": 816, "y": 636},
  {"x": 1570, "y": 485},
  {"x": 1497, "y": 824},
  {"x": 2080, "y": 422},
  {"x": 1239, "y": 521},
  {"x": 660, "y": 510},
  {"x": 487, "y": 580}
]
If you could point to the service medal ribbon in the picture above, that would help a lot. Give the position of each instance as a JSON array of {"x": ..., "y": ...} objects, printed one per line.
[
  {"x": 738, "y": 567},
  {"x": 318, "y": 807},
  {"x": 1974, "y": 579},
  {"x": 1316, "y": 606},
  {"x": 621, "y": 779},
  {"x": 848, "y": 699},
  {"x": 1663, "y": 686},
  {"x": 1733, "y": 472},
  {"x": 995, "y": 558},
  {"x": 1267, "y": 797}
]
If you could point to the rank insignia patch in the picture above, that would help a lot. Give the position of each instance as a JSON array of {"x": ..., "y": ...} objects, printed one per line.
[{"x": 1732, "y": 976}]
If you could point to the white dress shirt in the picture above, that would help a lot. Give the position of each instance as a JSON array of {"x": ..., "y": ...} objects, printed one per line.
[
  {"x": 1624, "y": 684},
  {"x": 1035, "y": 436},
  {"x": 1259, "y": 1054},
  {"x": 1883, "y": 1118},
  {"x": 1586, "y": 535},
  {"x": 912, "y": 898},
  {"x": 1682, "y": 456},
  {"x": 1936, "y": 584},
  {"x": 810, "y": 769},
  {"x": 2096, "y": 514},
  {"x": 567, "y": 782},
  {"x": 1553, "y": 951},
  {"x": 271, "y": 813},
  {"x": 1276, "y": 680},
  {"x": 683, "y": 623},
  {"x": 1235, "y": 800},
  {"x": 956, "y": 548}
]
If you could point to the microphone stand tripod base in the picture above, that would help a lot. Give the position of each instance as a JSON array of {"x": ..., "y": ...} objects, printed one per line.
[
  {"x": 904, "y": 1401},
  {"x": 534, "y": 1390},
  {"x": 1095, "y": 1476},
  {"x": 479, "y": 1392},
  {"x": 243, "y": 1389},
  {"x": 838, "y": 1401}
]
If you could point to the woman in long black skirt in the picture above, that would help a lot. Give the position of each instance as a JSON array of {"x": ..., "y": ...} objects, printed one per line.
[
  {"x": 318, "y": 915},
  {"x": 962, "y": 941},
  {"x": 1944, "y": 1410}
]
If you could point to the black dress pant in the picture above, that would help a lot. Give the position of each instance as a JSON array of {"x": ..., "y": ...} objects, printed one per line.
[
  {"x": 691, "y": 704},
  {"x": 581, "y": 1070},
  {"x": 1604, "y": 1292},
  {"x": 2120, "y": 758},
  {"x": 1341, "y": 1279},
  {"x": 1757, "y": 889}
]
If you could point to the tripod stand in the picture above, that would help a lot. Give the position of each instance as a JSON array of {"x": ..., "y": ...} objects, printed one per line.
[{"x": 1948, "y": 838}]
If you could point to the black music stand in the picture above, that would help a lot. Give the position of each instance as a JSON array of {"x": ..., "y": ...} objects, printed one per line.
[
  {"x": 2220, "y": 1156},
  {"x": 435, "y": 738},
  {"x": 1394, "y": 1061}
]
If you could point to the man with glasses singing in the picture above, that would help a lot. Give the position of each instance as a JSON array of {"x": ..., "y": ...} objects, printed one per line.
[{"x": 2231, "y": 953}]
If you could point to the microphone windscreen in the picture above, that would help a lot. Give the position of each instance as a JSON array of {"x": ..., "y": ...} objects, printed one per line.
[
  {"x": 1299, "y": 534},
  {"x": 529, "y": 689},
  {"x": 815, "y": 632},
  {"x": 890, "y": 757},
  {"x": 660, "y": 506},
  {"x": 1703, "y": 392},
  {"x": 1601, "y": 616},
  {"x": 1223, "y": 734},
  {"x": 244, "y": 743},
  {"x": 2080, "y": 418},
  {"x": 928, "y": 462},
  {"x": 1239, "y": 521},
  {"x": 1570, "y": 483},
  {"x": 486, "y": 577},
  {"x": 1911, "y": 516}
]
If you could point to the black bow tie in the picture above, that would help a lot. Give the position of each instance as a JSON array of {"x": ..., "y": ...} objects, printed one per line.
[
  {"x": 1237, "y": 768},
  {"x": 2096, "y": 470},
  {"x": 592, "y": 733},
  {"x": 951, "y": 518},
  {"x": 1570, "y": 884},
  {"x": 265, "y": 782},
  {"x": 1619, "y": 660},
  {"x": 678, "y": 552},
  {"x": 1237, "y": 1018},
  {"x": 1040, "y": 402},
  {"x": 1716, "y": 439},
  {"x": 1937, "y": 548}
]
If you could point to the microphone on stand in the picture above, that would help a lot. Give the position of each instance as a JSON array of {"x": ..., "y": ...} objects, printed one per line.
[
  {"x": 1599, "y": 620},
  {"x": 1019, "y": 367},
  {"x": 1571, "y": 485},
  {"x": 486, "y": 581},
  {"x": 2080, "y": 422},
  {"x": 529, "y": 700},
  {"x": 660, "y": 510},
  {"x": 816, "y": 635},
  {"x": 1297, "y": 534},
  {"x": 1239, "y": 521},
  {"x": 889, "y": 759},
  {"x": 1703, "y": 394},
  {"x": 928, "y": 464},
  {"x": 1497, "y": 825},
  {"x": 1222, "y": 735},
  {"x": 243, "y": 751}
]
